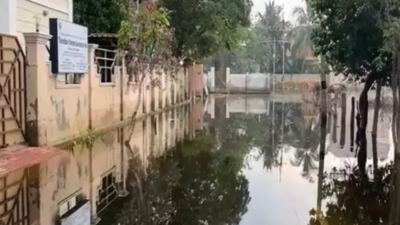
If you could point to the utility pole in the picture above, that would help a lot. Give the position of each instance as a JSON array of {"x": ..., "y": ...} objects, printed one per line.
[
  {"x": 273, "y": 96},
  {"x": 283, "y": 51},
  {"x": 283, "y": 77},
  {"x": 273, "y": 67}
]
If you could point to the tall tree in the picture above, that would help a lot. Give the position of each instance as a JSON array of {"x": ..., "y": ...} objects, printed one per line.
[
  {"x": 300, "y": 35},
  {"x": 101, "y": 16},
  {"x": 349, "y": 34},
  {"x": 145, "y": 40},
  {"x": 300, "y": 40},
  {"x": 204, "y": 27},
  {"x": 274, "y": 28},
  {"x": 253, "y": 55}
]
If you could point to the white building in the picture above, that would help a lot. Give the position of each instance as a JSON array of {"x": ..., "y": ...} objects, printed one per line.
[{"x": 19, "y": 16}]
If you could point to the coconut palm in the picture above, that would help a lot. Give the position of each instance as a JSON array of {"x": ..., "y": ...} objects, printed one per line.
[
  {"x": 273, "y": 27},
  {"x": 305, "y": 139},
  {"x": 272, "y": 143},
  {"x": 300, "y": 35}
]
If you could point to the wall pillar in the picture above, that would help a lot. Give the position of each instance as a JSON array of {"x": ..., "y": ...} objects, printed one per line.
[
  {"x": 36, "y": 81},
  {"x": 91, "y": 76},
  {"x": 212, "y": 78},
  {"x": 71, "y": 10},
  {"x": 228, "y": 76},
  {"x": 8, "y": 17},
  {"x": 199, "y": 80}
]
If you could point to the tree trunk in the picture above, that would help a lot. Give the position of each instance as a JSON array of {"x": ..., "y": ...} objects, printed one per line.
[
  {"x": 335, "y": 118},
  {"x": 322, "y": 140},
  {"x": 220, "y": 72},
  {"x": 343, "y": 120},
  {"x": 361, "y": 134},
  {"x": 329, "y": 112},
  {"x": 133, "y": 117},
  {"x": 375, "y": 125},
  {"x": 352, "y": 117},
  {"x": 395, "y": 179}
]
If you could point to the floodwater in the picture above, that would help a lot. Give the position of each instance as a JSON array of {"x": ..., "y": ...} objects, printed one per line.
[{"x": 255, "y": 162}]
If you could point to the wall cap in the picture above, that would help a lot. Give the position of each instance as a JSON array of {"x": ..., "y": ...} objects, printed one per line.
[
  {"x": 93, "y": 47},
  {"x": 40, "y": 38}
]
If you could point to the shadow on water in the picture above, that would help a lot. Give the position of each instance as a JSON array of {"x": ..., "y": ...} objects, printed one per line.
[{"x": 256, "y": 162}]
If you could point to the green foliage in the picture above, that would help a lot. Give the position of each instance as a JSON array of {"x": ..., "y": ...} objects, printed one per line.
[
  {"x": 300, "y": 41},
  {"x": 202, "y": 142},
  {"x": 147, "y": 38},
  {"x": 101, "y": 16},
  {"x": 203, "y": 27},
  {"x": 255, "y": 53},
  {"x": 272, "y": 27},
  {"x": 271, "y": 21},
  {"x": 356, "y": 200},
  {"x": 85, "y": 141},
  {"x": 391, "y": 25},
  {"x": 350, "y": 35}
]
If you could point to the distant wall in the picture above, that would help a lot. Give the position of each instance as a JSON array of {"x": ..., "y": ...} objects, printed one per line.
[{"x": 256, "y": 82}]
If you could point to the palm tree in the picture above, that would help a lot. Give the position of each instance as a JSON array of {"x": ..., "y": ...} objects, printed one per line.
[
  {"x": 270, "y": 152},
  {"x": 272, "y": 27},
  {"x": 300, "y": 35},
  {"x": 269, "y": 142},
  {"x": 306, "y": 141},
  {"x": 271, "y": 19}
]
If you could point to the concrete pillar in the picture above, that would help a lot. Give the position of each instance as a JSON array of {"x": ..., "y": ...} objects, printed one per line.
[
  {"x": 37, "y": 81},
  {"x": 212, "y": 77},
  {"x": 228, "y": 75},
  {"x": 71, "y": 10},
  {"x": 91, "y": 76},
  {"x": 8, "y": 17},
  {"x": 198, "y": 83},
  {"x": 191, "y": 81}
]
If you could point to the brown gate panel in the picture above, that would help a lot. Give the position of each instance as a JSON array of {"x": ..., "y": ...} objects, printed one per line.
[
  {"x": 12, "y": 91},
  {"x": 14, "y": 199}
]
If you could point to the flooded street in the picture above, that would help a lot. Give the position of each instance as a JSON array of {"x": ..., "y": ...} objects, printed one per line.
[{"x": 254, "y": 160}]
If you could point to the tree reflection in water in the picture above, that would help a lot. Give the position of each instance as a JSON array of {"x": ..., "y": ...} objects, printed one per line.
[
  {"x": 357, "y": 200},
  {"x": 191, "y": 184}
]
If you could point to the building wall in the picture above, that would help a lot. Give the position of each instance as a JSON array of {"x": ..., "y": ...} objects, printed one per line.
[
  {"x": 257, "y": 81},
  {"x": 63, "y": 111},
  {"x": 60, "y": 112},
  {"x": 19, "y": 16},
  {"x": 29, "y": 10},
  {"x": 247, "y": 104}
]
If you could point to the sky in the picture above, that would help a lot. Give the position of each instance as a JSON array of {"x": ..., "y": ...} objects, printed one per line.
[{"x": 289, "y": 5}]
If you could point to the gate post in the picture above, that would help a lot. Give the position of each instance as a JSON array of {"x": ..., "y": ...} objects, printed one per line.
[{"x": 36, "y": 84}]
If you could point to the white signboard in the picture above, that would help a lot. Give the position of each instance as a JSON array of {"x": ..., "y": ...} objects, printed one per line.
[
  {"x": 79, "y": 217},
  {"x": 68, "y": 47}
]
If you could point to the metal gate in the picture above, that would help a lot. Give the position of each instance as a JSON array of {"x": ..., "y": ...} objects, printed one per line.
[
  {"x": 13, "y": 185},
  {"x": 12, "y": 91},
  {"x": 14, "y": 199}
]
